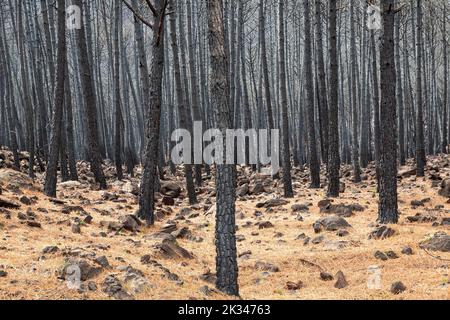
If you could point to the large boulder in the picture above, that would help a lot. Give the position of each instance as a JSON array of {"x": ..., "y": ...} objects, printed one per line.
[
  {"x": 332, "y": 223},
  {"x": 171, "y": 189},
  {"x": 440, "y": 241},
  {"x": 15, "y": 178},
  {"x": 78, "y": 269}
]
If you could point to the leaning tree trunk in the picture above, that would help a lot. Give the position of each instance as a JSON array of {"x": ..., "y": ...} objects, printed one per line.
[
  {"x": 90, "y": 105},
  {"x": 226, "y": 260},
  {"x": 388, "y": 207},
  {"x": 333, "y": 143}
]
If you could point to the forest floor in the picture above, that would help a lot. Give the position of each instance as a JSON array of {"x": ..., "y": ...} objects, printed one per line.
[{"x": 280, "y": 255}]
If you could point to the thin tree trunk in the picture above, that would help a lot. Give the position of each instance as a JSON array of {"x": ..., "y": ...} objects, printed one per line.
[{"x": 55, "y": 141}]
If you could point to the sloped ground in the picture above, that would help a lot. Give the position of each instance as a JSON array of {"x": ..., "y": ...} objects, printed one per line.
[{"x": 277, "y": 260}]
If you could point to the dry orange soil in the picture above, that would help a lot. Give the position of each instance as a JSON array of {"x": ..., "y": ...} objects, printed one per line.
[{"x": 28, "y": 273}]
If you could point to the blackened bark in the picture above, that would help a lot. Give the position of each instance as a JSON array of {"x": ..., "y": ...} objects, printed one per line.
[
  {"x": 314, "y": 165},
  {"x": 117, "y": 99},
  {"x": 182, "y": 106},
  {"x": 388, "y": 207},
  {"x": 58, "y": 108},
  {"x": 226, "y": 260},
  {"x": 90, "y": 106},
  {"x": 152, "y": 118},
  {"x": 29, "y": 118},
  {"x": 333, "y": 153},
  {"x": 286, "y": 157},
  {"x": 420, "y": 137},
  {"x": 322, "y": 79},
  {"x": 69, "y": 125}
]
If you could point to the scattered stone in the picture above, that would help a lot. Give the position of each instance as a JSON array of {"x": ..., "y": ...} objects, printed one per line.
[
  {"x": 332, "y": 223},
  {"x": 243, "y": 190},
  {"x": 342, "y": 233},
  {"x": 209, "y": 277},
  {"x": 33, "y": 224},
  {"x": 72, "y": 209},
  {"x": 318, "y": 240},
  {"x": 381, "y": 233},
  {"x": 257, "y": 188},
  {"x": 102, "y": 261},
  {"x": 324, "y": 203},
  {"x": 111, "y": 225},
  {"x": 440, "y": 241},
  {"x": 169, "y": 228},
  {"x": 340, "y": 210},
  {"x": 421, "y": 218},
  {"x": 4, "y": 203},
  {"x": 445, "y": 188},
  {"x": 113, "y": 288},
  {"x": 25, "y": 200},
  {"x": 407, "y": 173},
  {"x": 324, "y": 276},
  {"x": 3, "y": 273},
  {"x": 398, "y": 287},
  {"x": 300, "y": 208},
  {"x": 88, "y": 219},
  {"x": 15, "y": 179},
  {"x": 294, "y": 286},
  {"x": 171, "y": 189},
  {"x": 407, "y": 251},
  {"x": 265, "y": 266},
  {"x": 76, "y": 228},
  {"x": 318, "y": 227},
  {"x": 206, "y": 290},
  {"x": 417, "y": 203},
  {"x": 391, "y": 255},
  {"x": 272, "y": 203},
  {"x": 170, "y": 249},
  {"x": 79, "y": 267},
  {"x": 22, "y": 216},
  {"x": 265, "y": 225},
  {"x": 380, "y": 256},
  {"x": 130, "y": 223},
  {"x": 168, "y": 201},
  {"x": 50, "y": 249},
  {"x": 341, "y": 282}
]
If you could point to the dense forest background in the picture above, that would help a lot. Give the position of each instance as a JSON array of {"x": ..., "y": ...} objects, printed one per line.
[{"x": 110, "y": 86}]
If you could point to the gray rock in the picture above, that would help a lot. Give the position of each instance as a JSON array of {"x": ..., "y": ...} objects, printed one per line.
[
  {"x": 333, "y": 223},
  {"x": 398, "y": 287},
  {"x": 381, "y": 233},
  {"x": 439, "y": 242},
  {"x": 341, "y": 282},
  {"x": 114, "y": 289},
  {"x": 265, "y": 266}
]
